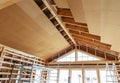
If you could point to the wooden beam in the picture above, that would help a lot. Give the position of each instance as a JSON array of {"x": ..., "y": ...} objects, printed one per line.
[
  {"x": 84, "y": 62},
  {"x": 79, "y": 28},
  {"x": 52, "y": 2},
  {"x": 68, "y": 20},
  {"x": 61, "y": 53},
  {"x": 94, "y": 37},
  {"x": 114, "y": 53},
  {"x": 64, "y": 12},
  {"x": 94, "y": 42}
]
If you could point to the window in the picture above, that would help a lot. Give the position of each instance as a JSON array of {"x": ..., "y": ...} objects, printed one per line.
[
  {"x": 85, "y": 57},
  {"x": 53, "y": 76},
  {"x": 103, "y": 76},
  {"x": 91, "y": 76},
  {"x": 63, "y": 76},
  {"x": 38, "y": 76},
  {"x": 70, "y": 57},
  {"x": 76, "y": 76}
]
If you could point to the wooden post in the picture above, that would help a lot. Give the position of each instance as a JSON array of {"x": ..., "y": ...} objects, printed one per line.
[
  {"x": 69, "y": 77},
  {"x": 76, "y": 54},
  {"x": 2, "y": 55},
  {"x": 98, "y": 75},
  {"x": 83, "y": 75},
  {"x": 58, "y": 74}
]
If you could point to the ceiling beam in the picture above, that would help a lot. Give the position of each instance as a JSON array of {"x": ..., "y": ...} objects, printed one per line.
[
  {"x": 114, "y": 53},
  {"x": 92, "y": 43},
  {"x": 79, "y": 28},
  {"x": 64, "y": 12},
  {"x": 84, "y": 62},
  {"x": 72, "y": 22},
  {"x": 94, "y": 37},
  {"x": 61, "y": 53}
]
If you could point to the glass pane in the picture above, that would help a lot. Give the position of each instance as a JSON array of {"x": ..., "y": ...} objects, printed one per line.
[
  {"x": 76, "y": 76},
  {"x": 53, "y": 76},
  {"x": 103, "y": 76},
  {"x": 63, "y": 76},
  {"x": 91, "y": 76},
  {"x": 70, "y": 57},
  {"x": 85, "y": 57},
  {"x": 37, "y": 76}
]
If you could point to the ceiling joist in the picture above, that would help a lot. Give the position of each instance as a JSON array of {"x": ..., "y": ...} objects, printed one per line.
[
  {"x": 94, "y": 37},
  {"x": 79, "y": 28},
  {"x": 65, "y": 12},
  {"x": 97, "y": 43},
  {"x": 71, "y": 21}
]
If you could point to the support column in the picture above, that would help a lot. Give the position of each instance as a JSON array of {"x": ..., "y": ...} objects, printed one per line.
[
  {"x": 58, "y": 74},
  {"x": 83, "y": 75},
  {"x": 98, "y": 74},
  {"x": 69, "y": 77},
  {"x": 76, "y": 54}
]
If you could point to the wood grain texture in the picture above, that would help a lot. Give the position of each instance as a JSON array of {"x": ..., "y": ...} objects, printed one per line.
[{"x": 31, "y": 31}]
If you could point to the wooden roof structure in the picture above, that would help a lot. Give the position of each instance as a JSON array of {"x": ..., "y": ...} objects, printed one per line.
[{"x": 74, "y": 35}]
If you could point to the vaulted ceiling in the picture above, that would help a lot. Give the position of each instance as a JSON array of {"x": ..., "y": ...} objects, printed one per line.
[{"x": 31, "y": 26}]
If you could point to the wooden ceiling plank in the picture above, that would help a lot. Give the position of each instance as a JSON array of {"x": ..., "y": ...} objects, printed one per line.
[
  {"x": 94, "y": 37},
  {"x": 6, "y": 3},
  {"x": 83, "y": 29}
]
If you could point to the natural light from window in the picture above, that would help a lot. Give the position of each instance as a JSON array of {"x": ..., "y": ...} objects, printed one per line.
[
  {"x": 70, "y": 57},
  {"x": 76, "y": 76},
  {"x": 53, "y": 76},
  {"x": 80, "y": 56},
  {"x": 85, "y": 57},
  {"x": 63, "y": 76},
  {"x": 91, "y": 76}
]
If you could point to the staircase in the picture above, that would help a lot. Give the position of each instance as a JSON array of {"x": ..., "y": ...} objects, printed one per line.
[{"x": 113, "y": 73}]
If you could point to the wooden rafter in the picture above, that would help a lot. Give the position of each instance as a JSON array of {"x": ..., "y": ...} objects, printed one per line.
[
  {"x": 71, "y": 21},
  {"x": 61, "y": 53},
  {"x": 92, "y": 44},
  {"x": 79, "y": 28},
  {"x": 94, "y": 37},
  {"x": 64, "y": 12}
]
